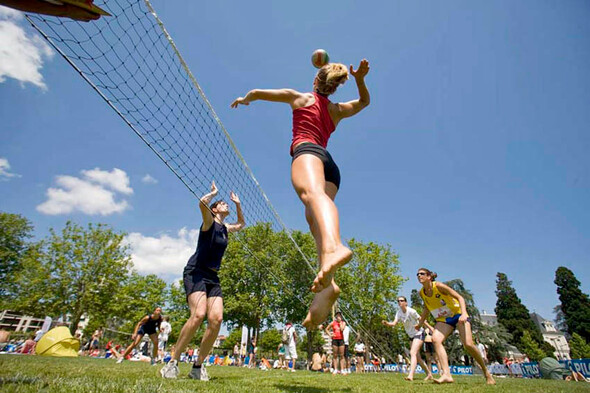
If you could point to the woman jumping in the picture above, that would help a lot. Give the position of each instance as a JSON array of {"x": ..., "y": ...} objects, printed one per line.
[
  {"x": 201, "y": 282},
  {"x": 314, "y": 175},
  {"x": 449, "y": 311}
]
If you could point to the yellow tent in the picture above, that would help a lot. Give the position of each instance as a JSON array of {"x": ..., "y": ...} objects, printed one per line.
[{"x": 58, "y": 342}]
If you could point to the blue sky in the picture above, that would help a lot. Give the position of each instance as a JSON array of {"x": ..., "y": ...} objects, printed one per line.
[{"x": 471, "y": 159}]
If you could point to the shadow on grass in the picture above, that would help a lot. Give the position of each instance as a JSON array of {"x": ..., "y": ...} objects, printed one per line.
[{"x": 296, "y": 388}]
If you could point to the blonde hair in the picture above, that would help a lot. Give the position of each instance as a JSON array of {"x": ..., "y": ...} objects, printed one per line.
[{"x": 330, "y": 76}]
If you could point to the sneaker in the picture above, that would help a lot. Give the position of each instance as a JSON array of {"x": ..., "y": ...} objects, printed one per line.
[
  {"x": 170, "y": 370},
  {"x": 120, "y": 360},
  {"x": 153, "y": 362},
  {"x": 199, "y": 373}
]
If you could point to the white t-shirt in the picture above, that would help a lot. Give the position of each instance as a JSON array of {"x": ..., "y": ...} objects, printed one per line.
[
  {"x": 410, "y": 319},
  {"x": 165, "y": 329},
  {"x": 290, "y": 333},
  {"x": 346, "y": 334},
  {"x": 359, "y": 347},
  {"x": 482, "y": 350}
]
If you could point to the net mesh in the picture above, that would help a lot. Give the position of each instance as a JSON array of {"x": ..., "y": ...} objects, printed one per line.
[{"x": 131, "y": 61}]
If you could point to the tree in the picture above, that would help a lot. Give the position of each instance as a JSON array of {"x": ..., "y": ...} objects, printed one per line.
[
  {"x": 579, "y": 348},
  {"x": 370, "y": 284},
  {"x": 530, "y": 347},
  {"x": 15, "y": 230},
  {"x": 560, "y": 323},
  {"x": 575, "y": 304},
  {"x": 177, "y": 309},
  {"x": 269, "y": 341},
  {"x": 252, "y": 277},
  {"x": 496, "y": 339},
  {"x": 138, "y": 296},
  {"x": 75, "y": 272},
  {"x": 512, "y": 314},
  {"x": 235, "y": 337}
]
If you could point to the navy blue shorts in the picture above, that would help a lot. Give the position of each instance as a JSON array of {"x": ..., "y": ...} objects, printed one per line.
[
  {"x": 195, "y": 282},
  {"x": 454, "y": 320},
  {"x": 331, "y": 171},
  {"x": 147, "y": 331}
]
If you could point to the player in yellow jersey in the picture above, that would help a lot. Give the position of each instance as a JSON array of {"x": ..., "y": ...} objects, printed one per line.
[{"x": 449, "y": 311}]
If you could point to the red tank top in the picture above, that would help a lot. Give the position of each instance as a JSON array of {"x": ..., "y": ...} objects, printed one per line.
[
  {"x": 313, "y": 123},
  {"x": 337, "y": 331}
]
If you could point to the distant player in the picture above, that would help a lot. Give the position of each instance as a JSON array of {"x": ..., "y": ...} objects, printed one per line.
[
  {"x": 150, "y": 325},
  {"x": 201, "y": 282},
  {"x": 409, "y": 318},
  {"x": 450, "y": 312}
]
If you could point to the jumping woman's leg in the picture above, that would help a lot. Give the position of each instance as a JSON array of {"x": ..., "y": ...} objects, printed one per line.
[
  {"x": 197, "y": 302},
  {"x": 441, "y": 331},
  {"x": 214, "y": 319},
  {"x": 467, "y": 339},
  {"x": 307, "y": 176},
  {"x": 321, "y": 306}
]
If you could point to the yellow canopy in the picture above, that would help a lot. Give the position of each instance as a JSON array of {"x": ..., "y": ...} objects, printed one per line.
[{"x": 58, "y": 342}]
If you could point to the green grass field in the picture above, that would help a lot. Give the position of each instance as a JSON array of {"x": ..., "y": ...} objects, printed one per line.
[{"x": 40, "y": 374}]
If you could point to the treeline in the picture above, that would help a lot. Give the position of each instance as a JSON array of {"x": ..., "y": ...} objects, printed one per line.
[{"x": 265, "y": 280}]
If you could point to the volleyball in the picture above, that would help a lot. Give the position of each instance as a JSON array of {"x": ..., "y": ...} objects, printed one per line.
[{"x": 320, "y": 58}]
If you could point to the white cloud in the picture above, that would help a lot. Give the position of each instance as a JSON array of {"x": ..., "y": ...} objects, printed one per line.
[
  {"x": 116, "y": 179},
  {"x": 163, "y": 255},
  {"x": 5, "y": 173},
  {"x": 148, "y": 179},
  {"x": 21, "y": 55},
  {"x": 89, "y": 194}
]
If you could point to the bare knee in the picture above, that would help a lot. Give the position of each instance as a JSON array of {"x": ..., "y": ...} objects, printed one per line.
[
  {"x": 310, "y": 194},
  {"x": 215, "y": 321},
  {"x": 196, "y": 318}
]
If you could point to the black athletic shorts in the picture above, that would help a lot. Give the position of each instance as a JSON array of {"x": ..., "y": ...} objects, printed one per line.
[
  {"x": 331, "y": 171},
  {"x": 147, "y": 331},
  {"x": 338, "y": 342},
  {"x": 195, "y": 282}
]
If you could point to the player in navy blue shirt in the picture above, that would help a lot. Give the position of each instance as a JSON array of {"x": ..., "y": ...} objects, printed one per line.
[{"x": 201, "y": 281}]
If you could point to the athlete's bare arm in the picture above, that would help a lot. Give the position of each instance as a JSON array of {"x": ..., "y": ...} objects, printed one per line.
[
  {"x": 288, "y": 96},
  {"x": 241, "y": 223},
  {"x": 204, "y": 207},
  {"x": 446, "y": 290},
  {"x": 351, "y": 108}
]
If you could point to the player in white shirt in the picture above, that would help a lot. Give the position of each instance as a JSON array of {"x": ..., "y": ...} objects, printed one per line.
[
  {"x": 165, "y": 330},
  {"x": 291, "y": 345},
  {"x": 359, "y": 353},
  {"x": 410, "y": 318},
  {"x": 346, "y": 336}
]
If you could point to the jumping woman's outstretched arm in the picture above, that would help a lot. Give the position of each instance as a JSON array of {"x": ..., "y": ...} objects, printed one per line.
[
  {"x": 351, "y": 108},
  {"x": 204, "y": 207},
  {"x": 288, "y": 96}
]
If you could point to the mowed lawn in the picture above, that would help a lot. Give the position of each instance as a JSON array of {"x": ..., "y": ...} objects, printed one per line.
[{"x": 41, "y": 374}]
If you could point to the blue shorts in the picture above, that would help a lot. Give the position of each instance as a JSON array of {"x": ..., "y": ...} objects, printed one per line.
[{"x": 454, "y": 320}]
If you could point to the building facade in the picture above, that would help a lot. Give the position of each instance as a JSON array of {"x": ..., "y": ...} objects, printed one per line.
[{"x": 553, "y": 336}]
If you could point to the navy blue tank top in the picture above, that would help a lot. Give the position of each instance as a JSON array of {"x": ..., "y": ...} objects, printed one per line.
[
  {"x": 210, "y": 248},
  {"x": 152, "y": 325}
]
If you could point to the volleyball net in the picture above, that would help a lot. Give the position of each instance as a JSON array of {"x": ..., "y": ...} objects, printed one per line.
[{"x": 131, "y": 61}]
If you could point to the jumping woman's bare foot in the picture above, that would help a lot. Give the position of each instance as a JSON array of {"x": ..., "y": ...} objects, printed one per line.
[
  {"x": 408, "y": 378},
  {"x": 428, "y": 377},
  {"x": 444, "y": 379},
  {"x": 330, "y": 263},
  {"x": 321, "y": 306}
]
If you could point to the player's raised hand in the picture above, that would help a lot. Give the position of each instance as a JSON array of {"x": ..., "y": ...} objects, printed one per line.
[{"x": 361, "y": 71}]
